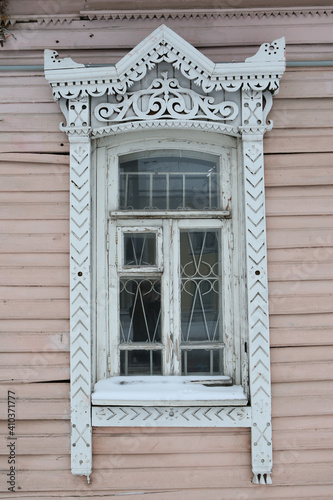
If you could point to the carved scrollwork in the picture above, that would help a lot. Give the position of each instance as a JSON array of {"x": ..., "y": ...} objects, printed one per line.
[{"x": 165, "y": 99}]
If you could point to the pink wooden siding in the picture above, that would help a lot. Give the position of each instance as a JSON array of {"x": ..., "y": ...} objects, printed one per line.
[{"x": 176, "y": 464}]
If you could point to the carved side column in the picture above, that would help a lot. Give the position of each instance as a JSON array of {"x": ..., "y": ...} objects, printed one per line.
[
  {"x": 258, "y": 320},
  {"x": 80, "y": 287}
]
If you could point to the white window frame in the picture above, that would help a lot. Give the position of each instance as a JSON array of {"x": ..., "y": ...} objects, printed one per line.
[
  {"x": 231, "y": 220},
  {"x": 122, "y": 230},
  {"x": 240, "y": 98}
]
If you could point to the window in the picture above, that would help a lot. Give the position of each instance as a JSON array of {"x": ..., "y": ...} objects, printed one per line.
[
  {"x": 177, "y": 251},
  {"x": 173, "y": 218}
]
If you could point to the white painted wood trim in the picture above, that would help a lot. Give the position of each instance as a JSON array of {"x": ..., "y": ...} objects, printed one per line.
[
  {"x": 257, "y": 290},
  {"x": 170, "y": 214},
  {"x": 258, "y": 314},
  {"x": 80, "y": 306},
  {"x": 130, "y": 229},
  {"x": 260, "y": 72},
  {"x": 171, "y": 416},
  {"x": 80, "y": 90}
]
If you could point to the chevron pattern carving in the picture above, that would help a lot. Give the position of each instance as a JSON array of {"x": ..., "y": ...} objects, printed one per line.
[
  {"x": 178, "y": 416},
  {"x": 259, "y": 354},
  {"x": 80, "y": 305}
]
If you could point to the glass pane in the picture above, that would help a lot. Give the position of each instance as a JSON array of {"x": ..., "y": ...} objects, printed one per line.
[
  {"x": 202, "y": 362},
  {"x": 200, "y": 286},
  {"x": 140, "y": 310},
  {"x": 139, "y": 249},
  {"x": 169, "y": 180},
  {"x": 140, "y": 362}
]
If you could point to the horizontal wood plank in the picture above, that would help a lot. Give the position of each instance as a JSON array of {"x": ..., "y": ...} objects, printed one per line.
[
  {"x": 29, "y": 142},
  {"x": 35, "y": 342},
  {"x": 292, "y": 271},
  {"x": 34, "y": 309},
  {"x": 321, "y": 492},
  {"x": 42, "y": 210},
  {"x": 52, "y": 181},
  {"x": 310, "y": 169},
  {"x": 307, "y": 83},
  {"x": 312, "y": 388},
  {"x": 295, "y": 201},
  {"x": 305, "y": 354},
  {"x": 110, "y": 461},
  {"x": 296, "y": 406},
  {"x": 300, "y": 371},
  {"x": 302, "y": 113},
  {"x": 34, "y": 276},
  {"x": 205, "y": 477},
  {"x": 293, "y": 237},
  {"x": 34, "y": 243},
  {"x": 34, "y": 367},
  {"x": 298, "y": 141},
  {"x": 301, "y": 321},
  {"x": 36, "y": 391},
  {"x": 18, "y": 162},
  {"x": 306, "y": 336},
  {"x": 33, "y": 292},
  {"x": 22, "y": 260},
  {"x": 28, "y": 227},
  {"x": 34, "y": 326}
]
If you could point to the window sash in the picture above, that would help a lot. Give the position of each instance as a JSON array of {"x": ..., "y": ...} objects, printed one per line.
[{"x": 173, "y": 348}]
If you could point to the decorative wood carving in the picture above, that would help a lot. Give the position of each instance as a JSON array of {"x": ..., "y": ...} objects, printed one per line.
[
  {"x": 172, "y": 14},
  {"x": 258, "y": 320},
  {"x": 164, "y": 102},
  {"x": 178, "y": 416},
  {"x": 165, "y": 99},
  {"x": 80, "y": 291},
  {"x": 261, "y": 73},
  {"x": 207, "y": 13}
]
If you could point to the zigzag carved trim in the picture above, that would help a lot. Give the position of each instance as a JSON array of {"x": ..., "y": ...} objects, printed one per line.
[
  {"x": 170, "y": 14},
  {"x": 178, "y": 416},
  {"x": 81, "y": 439},
  {"x": 259, "y": 354}
]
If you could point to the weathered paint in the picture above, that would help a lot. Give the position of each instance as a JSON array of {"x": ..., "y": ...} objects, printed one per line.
[{"x": 179, "y": 464}]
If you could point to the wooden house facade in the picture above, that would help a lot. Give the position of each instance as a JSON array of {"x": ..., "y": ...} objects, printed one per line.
[{"x": 153, "y": 461}]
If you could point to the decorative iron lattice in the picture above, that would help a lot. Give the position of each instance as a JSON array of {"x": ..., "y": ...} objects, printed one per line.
[
  {"x": 200, "y": 283},
  {"x": 140, "y": 309}
]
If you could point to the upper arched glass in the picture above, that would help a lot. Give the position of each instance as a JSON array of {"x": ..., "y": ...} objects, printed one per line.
[{"x": 169, "y": 180}]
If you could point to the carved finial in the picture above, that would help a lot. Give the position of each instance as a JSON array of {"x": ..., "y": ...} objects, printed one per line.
[
  {"x": 270, "y": 52},
  {"x": 51, "y": 61}
]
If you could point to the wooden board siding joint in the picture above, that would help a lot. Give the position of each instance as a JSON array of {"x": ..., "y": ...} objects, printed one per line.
[{"x": 249, "y": 87}]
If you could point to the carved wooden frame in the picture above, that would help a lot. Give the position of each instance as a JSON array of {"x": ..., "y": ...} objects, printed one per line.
[{"x": 80, "y": 90}]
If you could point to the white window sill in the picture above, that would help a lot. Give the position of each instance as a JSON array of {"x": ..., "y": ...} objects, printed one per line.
[{"x": 168, "y": 391}]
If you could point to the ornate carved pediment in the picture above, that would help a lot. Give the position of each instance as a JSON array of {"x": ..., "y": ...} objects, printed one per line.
[
  {"x": 187, "y": 89},
  {"x": 261, "y": 72}
]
